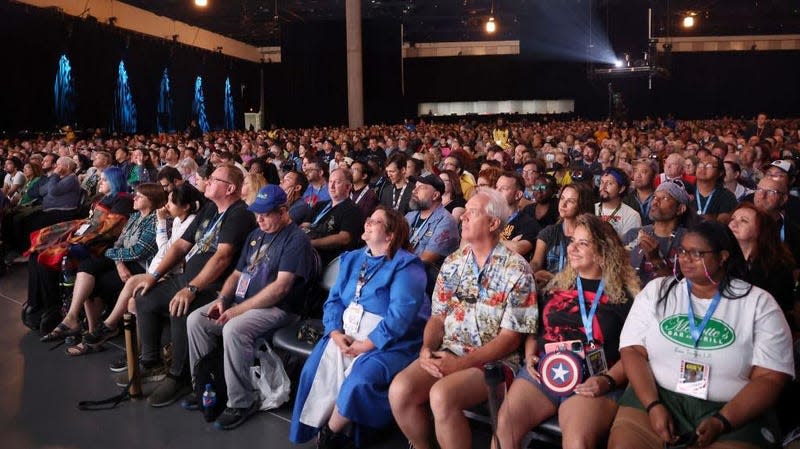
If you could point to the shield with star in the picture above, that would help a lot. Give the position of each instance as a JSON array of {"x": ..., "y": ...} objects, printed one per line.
[{"x": 561, "y": 372}]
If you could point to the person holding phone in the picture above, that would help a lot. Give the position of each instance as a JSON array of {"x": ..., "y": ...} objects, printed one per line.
[
  {"x": 583, "y": 310},
  {"x": 705, "y": 353}
]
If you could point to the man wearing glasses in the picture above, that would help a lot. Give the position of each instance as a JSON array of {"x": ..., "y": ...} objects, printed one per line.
[
  {"x": 712, "y": 201},
  {"x": 317, "y": 190},
  {"x": 209, "y": 248},
  {"x": 771, "y": 197}
]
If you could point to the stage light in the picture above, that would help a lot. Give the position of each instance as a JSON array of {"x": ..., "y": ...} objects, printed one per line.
[
  {"x": 491, "y": 26},
  {"x": 201, "y": 3},
  {"x": 618, "y": 63},
  {"x": 688, "y": 21}
]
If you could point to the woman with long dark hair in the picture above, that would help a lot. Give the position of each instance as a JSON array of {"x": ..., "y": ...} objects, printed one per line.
[
  {"x": 769, "y": 263},
  {"x": 706, "y": 353}
]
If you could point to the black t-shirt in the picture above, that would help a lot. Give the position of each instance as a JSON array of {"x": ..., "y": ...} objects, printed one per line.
[
  {"x": 555, "y": 259},
  {"x": 209, "y": 230},
  {"x": 549, "y": 218},
  {"x": 522, "y": 225},
  {"x": 722, "y": 202},
  {"x": 345, "y": 216},
  {"x": 457, "y": 202},
  {"x": 561, "y": 319}
]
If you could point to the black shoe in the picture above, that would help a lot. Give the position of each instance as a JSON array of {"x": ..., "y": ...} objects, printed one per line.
[
  {"x": 119, "y": 365},
  {"x": 191, "y": 402},
  {"x": 100, "y": 335},
  {"x": 328, "y": 439},
  {"x": 168, "y": 392},
  {"x": 232, "y": 418}
]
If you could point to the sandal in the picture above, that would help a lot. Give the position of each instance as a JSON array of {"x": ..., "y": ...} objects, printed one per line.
[
  {"x": 61, "y": 332},
  {"x": 100, "y": 335},
  {"x": 83, "y": 349}
]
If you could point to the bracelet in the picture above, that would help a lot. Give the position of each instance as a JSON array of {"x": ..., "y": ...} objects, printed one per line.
[
  {"x": 726, "y": 425},
  {"x": 612, "y": 384},
  {"x": 653, "y": 404}
]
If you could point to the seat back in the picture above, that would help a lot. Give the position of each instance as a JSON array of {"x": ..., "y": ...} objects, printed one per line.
[{"x": 330, "y": 274}]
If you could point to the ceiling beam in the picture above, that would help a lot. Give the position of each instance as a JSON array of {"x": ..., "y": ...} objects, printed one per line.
[{"x": 145, "y": 22}]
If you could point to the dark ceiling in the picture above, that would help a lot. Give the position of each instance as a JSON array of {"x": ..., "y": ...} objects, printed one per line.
[{"x": 258, "y": 22}]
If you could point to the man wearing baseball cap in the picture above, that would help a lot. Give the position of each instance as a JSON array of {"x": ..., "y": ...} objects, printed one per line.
[
  {"x": 433, "y": 231},
  {"x": 653, "y": 246},
  {"x": 262, "y": 293}
]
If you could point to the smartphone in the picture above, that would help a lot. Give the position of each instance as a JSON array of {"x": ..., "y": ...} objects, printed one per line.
[{"x": 575, "y": 346}]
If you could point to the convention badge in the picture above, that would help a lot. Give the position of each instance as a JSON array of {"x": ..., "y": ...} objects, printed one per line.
[
  {"x": 596, "y": 360},
  {"x": 352, "y": 318},
  {"x": 244, "y": 282},
  {"x": 84, "y": 227},
  {"x": 693, "y": 379},
  {"x": 561, "y": 372}
]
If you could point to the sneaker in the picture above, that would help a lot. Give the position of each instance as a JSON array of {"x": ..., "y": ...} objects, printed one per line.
[
  {"x": 232, "y": 418},
  {"x": 119, "y": 365},
  {"x": 328, "y": 439},
  {"x": 147, "y": 375},
  {"x": 191, "y": 402},
  {"x": 168, "y": 391}
]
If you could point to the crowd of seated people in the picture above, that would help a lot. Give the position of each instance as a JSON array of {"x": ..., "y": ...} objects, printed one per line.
[{"x": 643, "y": 254}]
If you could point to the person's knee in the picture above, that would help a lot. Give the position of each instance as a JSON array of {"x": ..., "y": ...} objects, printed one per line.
[
  {"x": 193, "y": 321},
  {"x": 400, "y": 390},
  {"x": 442, "y": 402},
  {"x": 576, "y": 441}
]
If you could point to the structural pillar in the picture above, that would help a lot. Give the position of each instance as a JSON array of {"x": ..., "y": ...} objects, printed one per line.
[{"x": 355, "y": 75}]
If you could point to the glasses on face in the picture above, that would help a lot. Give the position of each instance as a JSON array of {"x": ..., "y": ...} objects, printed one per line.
[
  {"x": 769, "y": 192},
  {"x": 580, "y": 243},
  {"x": 374, "y": 221},
  {"x": 539, "y": 187},
  {"x": 706, "y": 166},
  {"x": 693, "y": 254},
  {"x": 212, "y": 179},
  {"x": 530, "y": 172}
]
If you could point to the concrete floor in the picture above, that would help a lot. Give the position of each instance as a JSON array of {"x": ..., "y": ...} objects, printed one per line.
[{"x": 40, "y": 388}]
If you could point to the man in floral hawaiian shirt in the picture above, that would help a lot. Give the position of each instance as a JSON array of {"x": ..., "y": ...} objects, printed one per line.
[{"x": 483, "y": 304}]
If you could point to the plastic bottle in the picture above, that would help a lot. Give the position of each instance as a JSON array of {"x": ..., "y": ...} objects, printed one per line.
[
  {"x": 209, "y": 403},
  {"x": 66, "y": 285}
]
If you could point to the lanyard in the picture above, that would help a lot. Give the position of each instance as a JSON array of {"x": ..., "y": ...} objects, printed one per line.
[
  {"x": 396, "y": 200},
  {"x": 783, "y": 228},
  {"x": 512, "y": 216},
  {"x": 607, "y": 217},
  {"x": 205, "y": 241},
  {"x": 696, "y": 331},
  {"x": 262, "y": 251},
  {"x": 322, "y": 213},
  {"x": 644, "y": 206},
  {"x": 702, "y": 210},
  {"x": 417, "y": 228},
  {"x": 588, "y": 319},
  {"x": 363, "y": 278},
  {"x": 360, "y": 195}
]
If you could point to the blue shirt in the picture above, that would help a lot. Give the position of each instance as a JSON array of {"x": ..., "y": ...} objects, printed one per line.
[{"x": 438, "y": 233}]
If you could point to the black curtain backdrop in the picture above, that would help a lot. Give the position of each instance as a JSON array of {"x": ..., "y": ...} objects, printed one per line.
[
  {"x": 33, "y": 40},
  {"x": 309, "y": 88}
]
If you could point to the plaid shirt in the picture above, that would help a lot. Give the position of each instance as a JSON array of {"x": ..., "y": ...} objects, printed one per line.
[{"x": 137, "y": 241}]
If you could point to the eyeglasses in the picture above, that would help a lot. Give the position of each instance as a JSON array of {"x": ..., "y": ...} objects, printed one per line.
[
  {"x": 770, "y": 192},
  {"x": 530, "y": 172},
  {"x": 219, "y": 180},
  {"x": 373, "y": 221},
  {"x": 539, "y": 187},
  {"x": 693, "y": 254},
  {"x": 706, "y": 166}
]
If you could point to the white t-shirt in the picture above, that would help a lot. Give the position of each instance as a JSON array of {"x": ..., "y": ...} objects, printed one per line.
[
  {"x": 742, "y": 333},
  {"x": 622, "y": 220},
  {"x": 17, "y": 180}
]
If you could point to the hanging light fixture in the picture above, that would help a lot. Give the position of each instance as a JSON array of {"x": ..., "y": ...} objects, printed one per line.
[
  {"x": 201, "y": 3},
  {"x": 688, "y": 19},
  {"x": 491, "y": 26}
]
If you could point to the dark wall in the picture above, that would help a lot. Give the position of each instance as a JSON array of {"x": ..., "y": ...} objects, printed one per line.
[{"x": 32, "y": 40}]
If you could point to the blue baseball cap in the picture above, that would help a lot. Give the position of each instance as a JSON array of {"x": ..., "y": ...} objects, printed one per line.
[{"x": 269, "y": 198}]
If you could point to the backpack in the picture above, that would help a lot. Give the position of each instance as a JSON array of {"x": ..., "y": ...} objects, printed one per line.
[{"x": 210, "y": 369}]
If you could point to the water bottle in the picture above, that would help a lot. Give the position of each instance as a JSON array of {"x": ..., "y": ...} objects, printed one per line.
[
  {"x": 66, "y": 285},
  {"x": 209, "y": 403}
]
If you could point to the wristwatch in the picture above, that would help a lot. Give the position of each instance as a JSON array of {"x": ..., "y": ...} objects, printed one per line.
[{"x": 192, "y": 288}]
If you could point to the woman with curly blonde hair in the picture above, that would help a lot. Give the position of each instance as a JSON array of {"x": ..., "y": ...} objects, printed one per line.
[{"x": 583, "y": 310}]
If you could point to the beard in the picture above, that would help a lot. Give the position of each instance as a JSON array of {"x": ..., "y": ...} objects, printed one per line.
[{"x": 416, "y": 204}]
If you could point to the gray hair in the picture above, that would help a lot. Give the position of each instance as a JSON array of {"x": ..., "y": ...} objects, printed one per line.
[
  {"x": 496, "y": 206},
  {"x": 67, "y": 161}
]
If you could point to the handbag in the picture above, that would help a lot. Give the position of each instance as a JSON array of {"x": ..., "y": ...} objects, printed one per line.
[{"x": 269, "y": 377}]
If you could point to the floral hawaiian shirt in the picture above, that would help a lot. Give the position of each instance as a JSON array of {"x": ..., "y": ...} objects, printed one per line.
[{"x": 476, "y": 304}]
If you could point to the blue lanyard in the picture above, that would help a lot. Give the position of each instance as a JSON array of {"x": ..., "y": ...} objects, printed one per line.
[
  {"x": 478, "y": 271},
  {"x": 588, "y": 319},
  {"x": 783, "y": 228},
  {"x": 696, "y": 331},
  {"x": 644, "y": 207},
  {"x": 362, "y": 276},
  {"x": 702, "y": 210},
  {"x": 512, "y": 217},
  {"x": 321, "y": 215}
]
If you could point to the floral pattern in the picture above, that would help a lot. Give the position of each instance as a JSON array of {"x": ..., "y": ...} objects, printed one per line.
[{"x": 476, "y": 305}]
